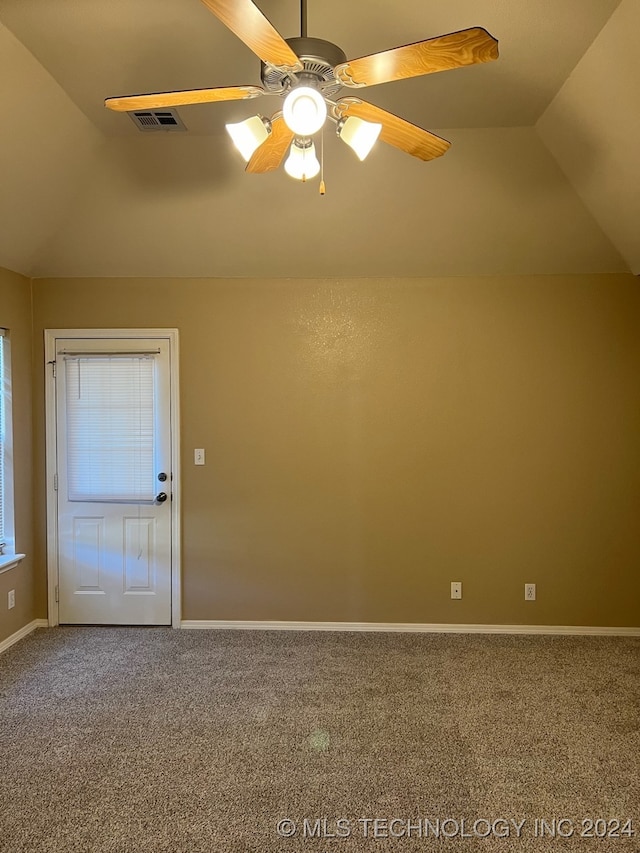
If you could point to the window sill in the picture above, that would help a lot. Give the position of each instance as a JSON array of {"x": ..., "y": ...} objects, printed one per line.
[{"x": 10, "y": 561}]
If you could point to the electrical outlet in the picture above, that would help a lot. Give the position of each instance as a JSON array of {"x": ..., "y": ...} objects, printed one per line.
[
  {"x": 11, "y": 599},
  {"x": 456, "y": 589},
  {"x": 529, "y": 592}
]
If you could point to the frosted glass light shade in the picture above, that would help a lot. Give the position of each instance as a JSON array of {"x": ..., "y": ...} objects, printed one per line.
[
  {"x": 304, "y": 110},
  {"x": 248, "y": 135},
  {"x": 359, "y": 135},
  {"x": 302, "y": 162}
]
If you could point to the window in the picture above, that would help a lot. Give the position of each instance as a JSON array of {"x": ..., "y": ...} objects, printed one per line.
[
  {"x": 8, "y": 556},
  {"x": 3, "y": 436},
  {"x": 110, "y": 428}
]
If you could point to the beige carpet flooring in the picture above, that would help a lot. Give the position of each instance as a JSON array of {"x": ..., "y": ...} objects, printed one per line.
[{"x": 131, "y": 740}]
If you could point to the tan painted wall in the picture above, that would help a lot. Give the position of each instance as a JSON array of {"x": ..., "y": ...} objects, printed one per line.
[
  {"x": 15, "y": 314},
  {"x": 369, "y": 441}
]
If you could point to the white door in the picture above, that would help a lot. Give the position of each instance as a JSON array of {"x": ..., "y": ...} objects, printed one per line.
[{"x": 113, "y": 481}]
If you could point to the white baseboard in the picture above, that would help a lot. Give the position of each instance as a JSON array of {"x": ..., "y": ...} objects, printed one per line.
[
  {"x": 410, "y": 627},
  {"x": 19, "y": 635}
]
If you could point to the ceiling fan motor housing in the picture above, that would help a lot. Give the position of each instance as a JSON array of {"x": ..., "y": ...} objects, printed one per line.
[{"x": 319, "y": 58}]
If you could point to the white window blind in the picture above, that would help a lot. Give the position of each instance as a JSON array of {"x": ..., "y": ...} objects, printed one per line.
[
  {"x": 3, "y": 439},
  {"x": 110, "y": 410}
]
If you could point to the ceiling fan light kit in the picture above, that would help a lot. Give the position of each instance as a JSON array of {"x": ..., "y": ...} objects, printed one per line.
[
  {"x": 360, "y": 135},
  {"x": 308, "y": 73},
  {"x": 249, "y": 134},
  {"x": 302, "y": 162},
  {"x": 304, "y": 110}
]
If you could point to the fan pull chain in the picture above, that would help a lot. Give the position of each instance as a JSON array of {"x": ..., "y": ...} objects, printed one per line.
[{"x": 323, "y": 188}]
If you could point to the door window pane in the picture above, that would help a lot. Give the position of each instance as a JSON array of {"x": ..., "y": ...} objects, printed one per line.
[{"x": 110, "y": 409}]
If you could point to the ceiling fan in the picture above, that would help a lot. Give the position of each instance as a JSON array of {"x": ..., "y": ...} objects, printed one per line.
[{"x": 308, "y": 73}]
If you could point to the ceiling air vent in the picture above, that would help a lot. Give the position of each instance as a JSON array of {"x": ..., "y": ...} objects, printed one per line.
[{"x": 152, "y": 120}]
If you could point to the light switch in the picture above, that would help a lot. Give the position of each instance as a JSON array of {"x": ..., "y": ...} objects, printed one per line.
[{"x": 198, "y": 456}]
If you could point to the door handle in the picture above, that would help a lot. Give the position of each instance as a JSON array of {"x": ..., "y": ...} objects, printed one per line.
[{"x": 161, "y": 498}]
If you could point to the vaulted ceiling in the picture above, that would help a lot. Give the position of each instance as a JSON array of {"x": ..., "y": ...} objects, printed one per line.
[{"x": 542, "y": 175}]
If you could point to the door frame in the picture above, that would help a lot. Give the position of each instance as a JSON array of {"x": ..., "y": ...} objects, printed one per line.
[{"x": 51, "y": 454}]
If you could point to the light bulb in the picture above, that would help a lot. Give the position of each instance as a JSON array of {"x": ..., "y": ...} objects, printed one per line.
[
  {"x": 304, "y": 110},
  {"x": 359, "y": 135},
  {"x": 302, "y": 162},
  {"x": 249, "y": 134}
]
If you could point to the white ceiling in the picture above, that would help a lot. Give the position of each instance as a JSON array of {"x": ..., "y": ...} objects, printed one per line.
[{"x": 85, "y": 193}]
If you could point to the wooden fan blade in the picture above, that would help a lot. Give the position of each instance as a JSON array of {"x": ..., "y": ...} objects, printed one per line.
[
  {"x": 128, "y": 103},
  {"x": 424, "y": 57},
  {"x": 396, "y": 131},
  {"x": 270, "y": 154},
  {"x": 244, "y": 19}
]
